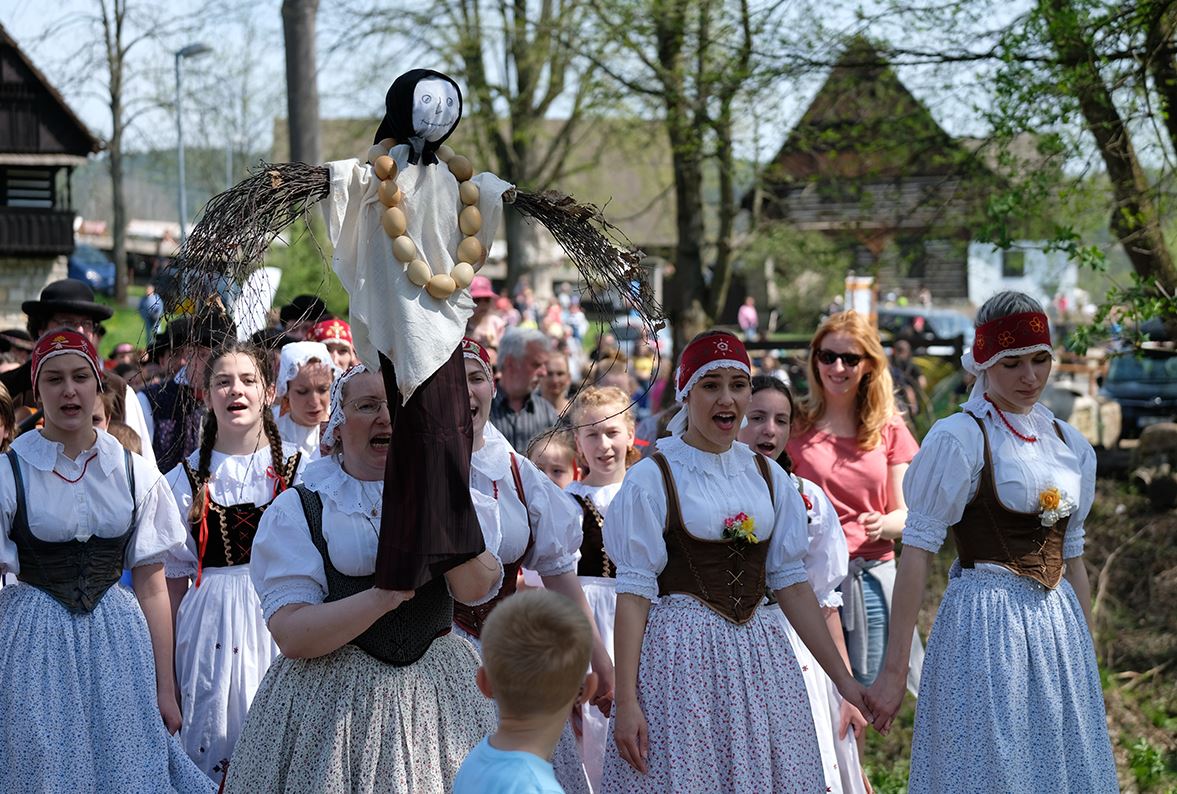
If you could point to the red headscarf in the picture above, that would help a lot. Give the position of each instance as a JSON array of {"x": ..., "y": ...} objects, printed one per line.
[
  {"x": 329, "y": 331},
  {"x": 59, "y": 343},
  {"x": 473, "y": 350},
  {"x": 1014, "y": 334},
  {"x": 707, "y": 353}
]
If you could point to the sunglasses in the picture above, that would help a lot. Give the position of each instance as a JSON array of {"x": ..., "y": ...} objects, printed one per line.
[{"x": 828, "y": 357}]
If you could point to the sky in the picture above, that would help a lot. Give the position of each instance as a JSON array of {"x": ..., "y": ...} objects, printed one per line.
[{"x": 248, "y": 64}]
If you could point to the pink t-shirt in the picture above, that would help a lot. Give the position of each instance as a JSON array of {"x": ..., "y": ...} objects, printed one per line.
[{"x": 854, "y": 479}]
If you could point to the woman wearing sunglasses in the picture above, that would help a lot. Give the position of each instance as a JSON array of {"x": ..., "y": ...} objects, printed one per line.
[{"x": 852, "y": 443}]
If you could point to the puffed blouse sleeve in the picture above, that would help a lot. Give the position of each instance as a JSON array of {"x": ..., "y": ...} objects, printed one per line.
[
  {"x": 790, "y": 536},
  {"x": 827, "y": 561},
  {"x": 487, "y": 510},
  {"x": 159, "y": 535},
  {"x": 633, "y": 531},
  {"x": 555, "y": 519},
  {"x": 181, "y": 565},
  {"x": 941, "y": 477},
  {"x": 285, "y": 566},
  {"x": 1073, "y": 540}
]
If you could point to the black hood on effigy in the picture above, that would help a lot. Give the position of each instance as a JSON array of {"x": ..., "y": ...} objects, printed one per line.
[{"x": 398, "y": 115}]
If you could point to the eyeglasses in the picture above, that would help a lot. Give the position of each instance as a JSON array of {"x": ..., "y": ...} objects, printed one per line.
[
  {"x": 828, "y": 357},
  {"x": 367, "y": 406}
]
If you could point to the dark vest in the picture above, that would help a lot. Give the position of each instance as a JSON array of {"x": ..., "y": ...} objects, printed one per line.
[
  {"x": 472, "y": 618},
  {"x": 224, "y": 534},
  {"x": 727, "y": 576},
  {"x": 76, "y": 573},
  {"x": 594, "y": 561},
  {"x": 989, "y": 530},
  {"x": 177, "y": 415},
  {"x": 399, "y": 637}
]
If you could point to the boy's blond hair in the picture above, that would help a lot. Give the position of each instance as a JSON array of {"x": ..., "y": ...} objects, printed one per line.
[
  {"x": 535, "y": 648},
  {"x": 556, "y": 436}
]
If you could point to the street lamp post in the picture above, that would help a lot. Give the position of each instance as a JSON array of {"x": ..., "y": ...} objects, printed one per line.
[{"x": 191, "y": 51}]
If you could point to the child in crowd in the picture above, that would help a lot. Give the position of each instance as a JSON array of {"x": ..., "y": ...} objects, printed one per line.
[
  {"x": 305, "y": 373},
  {"x": 603, "y": 426},
  {"x": 535, "y": 650},
  {"x": 554, "y": 453}
]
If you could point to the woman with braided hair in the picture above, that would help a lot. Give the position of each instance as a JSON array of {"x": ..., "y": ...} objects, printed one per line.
[{"x": 222, "y": 645}]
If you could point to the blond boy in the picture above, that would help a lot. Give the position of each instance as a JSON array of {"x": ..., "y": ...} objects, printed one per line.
[{"x": 535, "y": 650}]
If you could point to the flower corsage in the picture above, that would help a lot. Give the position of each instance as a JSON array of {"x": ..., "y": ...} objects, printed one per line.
[
  {"x": 740, "y": 527},
  {"x": 1055, "y": 505}
]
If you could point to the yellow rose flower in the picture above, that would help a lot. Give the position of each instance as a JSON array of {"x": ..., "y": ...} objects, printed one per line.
[{"x": 1050, "y": 499}]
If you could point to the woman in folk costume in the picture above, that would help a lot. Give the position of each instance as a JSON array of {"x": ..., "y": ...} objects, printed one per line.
[
  {"x": 603, "y": 428},
  {"x": 769, "y": 418},
  {"x": 87, "y": 695},
  {"x": 372, "y": 692},
  {"x": 1010, "y": 698},
  {"x": 709, "y": 694},
  {"x": 410, "y": 228},
  {"x": 530, "y": 523},
  {"x": 336, "y": 335},
  {"x": 306, "y": 371},
  {"x": 222, "y": 646}
]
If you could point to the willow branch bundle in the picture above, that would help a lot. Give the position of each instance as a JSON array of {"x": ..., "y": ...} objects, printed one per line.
[
  {"x": 237, "y": 227},
  {"x": 605, "y": 257}
]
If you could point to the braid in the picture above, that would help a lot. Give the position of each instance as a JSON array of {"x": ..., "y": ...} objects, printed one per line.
[
  {"x": 276, "y": 453},
  {"x": 208, "y": 437}
]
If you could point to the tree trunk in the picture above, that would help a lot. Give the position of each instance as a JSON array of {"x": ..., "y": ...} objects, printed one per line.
[
  {"x": 1135, "y": 219},
  {"x": 688, "y": 288},
  {"x": 112, "y": 28},
  {"x": 302, "y": 91}
]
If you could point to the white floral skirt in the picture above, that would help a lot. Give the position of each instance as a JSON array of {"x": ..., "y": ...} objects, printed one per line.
[
  {"x": 348, "y": 723},
  {"x": 1010, "y": 698},
  {"x": 223, "y": 650},
  {"x": 725, "y": 704},
  {"x": 839, "y": 756},
  {"x": 78, "y": 710}
]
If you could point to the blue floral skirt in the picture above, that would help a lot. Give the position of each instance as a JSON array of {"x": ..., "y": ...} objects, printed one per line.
[
  {"x": 1010, "y": 698},
  {"x": 78, "y": 710}
]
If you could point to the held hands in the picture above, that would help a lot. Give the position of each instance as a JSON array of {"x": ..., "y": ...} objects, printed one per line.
[
  {"x": 854, "y": 694},
  {"x": 603, "y": 697},
  {"x": 850, "y": 718},
  {"x": 631, "y": 733},
  {"x": 885, "y": 697}
]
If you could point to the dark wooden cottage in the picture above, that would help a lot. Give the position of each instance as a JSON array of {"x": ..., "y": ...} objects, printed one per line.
[
  {"x": 868, "y": 166},
  {"x": 41, "y": 142}
]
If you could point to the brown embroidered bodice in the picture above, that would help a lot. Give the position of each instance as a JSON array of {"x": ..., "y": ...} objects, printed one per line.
[
  {"x": 226, "y": 539},
  {"x": 727, "y": 576},
  {"x": 990, "y": 531},
  {"x": 594, "y": 561}
]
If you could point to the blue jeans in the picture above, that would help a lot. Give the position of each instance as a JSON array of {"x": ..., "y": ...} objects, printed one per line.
[{"x": 877, "y": 621}]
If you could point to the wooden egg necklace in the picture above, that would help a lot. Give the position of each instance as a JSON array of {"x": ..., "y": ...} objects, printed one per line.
[{"x": 420, "y": 272}]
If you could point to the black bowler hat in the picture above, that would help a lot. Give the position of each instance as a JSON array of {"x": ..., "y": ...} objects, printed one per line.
[
  {"x": 67, "y": 295},
  {"x": 303, "y": 308}
]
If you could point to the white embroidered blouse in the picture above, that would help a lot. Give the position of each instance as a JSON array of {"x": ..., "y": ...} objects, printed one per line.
[
  {"x": 507, "y": 524},
  {"x": 233, "y": 480},
  {"x": 97, "y": 505},
  {"x": 285, "y": 566},
  {"x": 946, "y": 473},
  {"x": 711, "y": 487}
]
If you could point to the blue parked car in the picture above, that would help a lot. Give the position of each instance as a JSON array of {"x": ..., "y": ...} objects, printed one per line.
[{"x": 90, "y": 265}]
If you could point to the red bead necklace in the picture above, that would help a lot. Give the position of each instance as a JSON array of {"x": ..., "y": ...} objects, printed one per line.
[
  {"x": 85, "y": 466},
  {"x": 1000, "y": 413}
]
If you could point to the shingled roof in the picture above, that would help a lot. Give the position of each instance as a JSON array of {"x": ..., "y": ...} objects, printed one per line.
[{"x": 36, "y": 123}]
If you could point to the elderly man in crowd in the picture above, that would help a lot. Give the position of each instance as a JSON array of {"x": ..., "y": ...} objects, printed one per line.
[{"x": 517, "y": 411}]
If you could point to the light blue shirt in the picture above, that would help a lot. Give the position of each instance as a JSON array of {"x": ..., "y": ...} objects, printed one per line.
[{"x": 490, "y": 771}]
